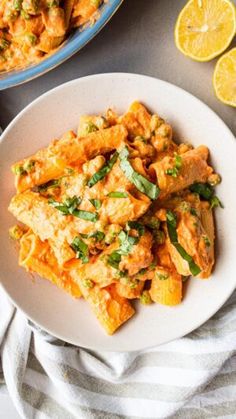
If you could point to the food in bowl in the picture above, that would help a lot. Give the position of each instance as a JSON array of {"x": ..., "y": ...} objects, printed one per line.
[
  {"x": 32, "y": 29},
  {"x": 117, "y": 211}
]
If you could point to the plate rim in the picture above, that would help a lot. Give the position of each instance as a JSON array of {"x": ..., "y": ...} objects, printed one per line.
[{"x": 112, "y": 75}]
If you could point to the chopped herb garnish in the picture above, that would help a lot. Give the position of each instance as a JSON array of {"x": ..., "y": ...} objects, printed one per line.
[
  {"x": 159, "y": 236},
  {"x": 51, "y": 184},
  {"x": 97, "y": 235},
  {"x": 69, "y": 207},
  {"x": 134, "y": 225},
  {"x": 193, "y": 212},
  {"x": 206, "y": 191},
  {"x": 114, "y": 259},
  {"x": 162, "y": 277},
  {"x": 87, "y": 283},
  {"x": 126, "y": 245},
  {"x": 141, "y": 183},
  {"x": 215, "y": 202},
  {"x": 81, "y": 249},
  {"x": 142, "y": 271},
  {"x": 174, "y": 171},
  {"x": 117, "y": 194},
  {"x": 171, "y": 227},
  {"x": 86, "y": 215},
  {"x": 145, "y": 298},
  {"x": 207, "y": 241},
  {"x": 103, "y": 171},
  {"x": 96, "y": 203},
  {"x": 19, "y": 170}
]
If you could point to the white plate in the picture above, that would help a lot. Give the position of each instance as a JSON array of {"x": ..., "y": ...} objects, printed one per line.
[{"x": 59, "y": 110}]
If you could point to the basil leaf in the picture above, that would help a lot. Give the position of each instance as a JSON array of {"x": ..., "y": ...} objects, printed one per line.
[
  {"x": 81, "y": 249},
  {"x": 141, "y": 183},
  {"x": 69, "y": 207},
  {"x": 59, "y": 206},
  {"x": 97, "y": 235},
  {"x": 126, "y": 245},
  {"x": 205, "y": 190},
  {"x": 114, "y": 259},
  {"x": 51, "y": 184},
  {"x": 86, "y": 215},
  {"x": 215, "y": 202},
  {"x": 96, "y": 203},
  {"x": 103, "y": 171},
  {"x": 72, "y": 204},
  {"x": 117, "y": 194},
  {"x": 136, "y": 226},
  {"x": 171, "y": 227}
]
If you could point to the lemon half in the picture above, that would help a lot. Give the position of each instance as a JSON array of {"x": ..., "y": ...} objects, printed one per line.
[
  {"x": 224, "y": 78},
  {"x": 205, "y": 28}
]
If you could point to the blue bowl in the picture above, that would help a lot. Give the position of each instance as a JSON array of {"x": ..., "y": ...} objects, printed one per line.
[{"x": 74, "y": 43}]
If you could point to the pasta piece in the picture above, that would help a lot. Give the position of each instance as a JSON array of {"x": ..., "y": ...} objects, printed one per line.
[
  {"x": 48, "y": 223},
  {"x": 166, "y": 287},
  {"x": 83, "y": 10},
  {"x": 48, "y": 42},
  {"x": 208, "y": 226},
  {"x": 37, "y": 256},
  {"x": 50, "y": 163},
  {"x": 68, "y": 7},
  {"x": 137, "y": 121},
  {"x": 54, "y": 21},
  {"x": 193, "y": 168},
  {"x": 109, "y": 307}
]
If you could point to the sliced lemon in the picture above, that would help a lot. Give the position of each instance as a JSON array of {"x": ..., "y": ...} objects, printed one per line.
[
  {"x": 224, "y": 78},
  {"x": 205, "y": 28}
]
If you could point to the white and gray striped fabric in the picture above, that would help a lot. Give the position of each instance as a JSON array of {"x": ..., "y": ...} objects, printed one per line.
[{"x": 192, "y": 377}]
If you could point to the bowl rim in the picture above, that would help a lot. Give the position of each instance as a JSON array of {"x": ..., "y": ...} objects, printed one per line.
[{"x": 62, "y": 54}]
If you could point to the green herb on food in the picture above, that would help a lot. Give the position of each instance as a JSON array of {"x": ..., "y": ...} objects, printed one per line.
[
  {"x": 206, "y": 191},
  {"x": 81, "y": 249},
  {"x": 174, "y": 171},
  {"x": 117, "y": 194},
  {"x": 171, "y": 227},
  {"x": 96, "y": 203},
  {"x": 141, "y": 183},
  {"x": 103, "y": 171},
  {"x": 145, "y": 298}
]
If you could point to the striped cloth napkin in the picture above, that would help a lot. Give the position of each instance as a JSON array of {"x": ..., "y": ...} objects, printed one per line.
[{"x": 192, "y": 377}]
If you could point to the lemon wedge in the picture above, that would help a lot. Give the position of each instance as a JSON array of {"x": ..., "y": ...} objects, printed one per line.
[
  {"x": 205, "y": 28},
  {"x": 224, "y": 78}
]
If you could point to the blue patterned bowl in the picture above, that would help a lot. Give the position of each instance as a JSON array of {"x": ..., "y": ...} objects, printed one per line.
[{"x": 73, "y": 44}]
